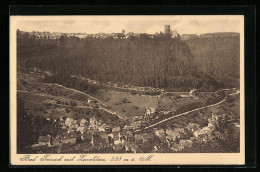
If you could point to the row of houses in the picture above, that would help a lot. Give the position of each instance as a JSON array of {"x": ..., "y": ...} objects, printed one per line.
[{"x": 91, "y": 134}]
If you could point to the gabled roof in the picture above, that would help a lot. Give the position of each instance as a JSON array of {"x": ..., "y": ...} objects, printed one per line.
[
  {"x": 179, "y": 130},
  {"x": 200, "y": 132},
  {"x": 161, "y": 131},
  {"x": 116, "y": 129},
  {"x": 83, "y": 121}
]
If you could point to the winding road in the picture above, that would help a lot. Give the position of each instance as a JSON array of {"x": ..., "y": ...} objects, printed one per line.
[
  {"x": 185, "y": 113},
  {"x": 101, "y": 106}
]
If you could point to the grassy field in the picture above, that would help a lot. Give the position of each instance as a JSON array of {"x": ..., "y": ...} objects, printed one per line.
[
  {"x": 134, "y": 105},
  {"x": 130, "y": 105}
]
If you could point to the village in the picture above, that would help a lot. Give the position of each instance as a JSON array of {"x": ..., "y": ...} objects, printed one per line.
[{"x": 86, "y": 135}]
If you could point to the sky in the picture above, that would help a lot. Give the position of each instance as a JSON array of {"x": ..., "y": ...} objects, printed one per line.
[{"x": 141, "y": 24}]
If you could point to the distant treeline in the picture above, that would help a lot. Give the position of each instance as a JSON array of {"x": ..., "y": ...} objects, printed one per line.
[{"x": 160, "y": 62}]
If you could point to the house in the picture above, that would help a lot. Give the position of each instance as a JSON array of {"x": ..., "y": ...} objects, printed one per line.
[
  {"x": 116, "y": 129},
  {"x": 108, "y": 130},
  {"x": 199, "y": 133},
  {"x": 144, "y": 124},
  {"x": 92, "y": 131},
  {"x": 139, "y": 139},
  {"x": 99, "y": 122},
  {"x": 117, "y": 141},
  {"x": 104, "y": 136},
  {"x": 62, "y": 131},
  {"x": 160, "y": 133},
  {"x": 177, "y": 147},
  {"x": 72, "y": 134},
  {"x": 192, "y": 127},
  {"x": 92, "y": 121},
  {"x": 69, "y": 121},
  {"x": 170, "y": 132},
  {"x": 83, "y": 122},
  {"x": 98, "y": 142},
  {"x": 175, "y": 34},
  {"x": 136, "y": 125},
  {"x": 72, "y": 128},
  {"x": 86, "y": 137},
  {"x": 149, "y": 111},
  {"x": 128, "y": 127},
  {"x": 213, "y": 121},
  {"x": 137, "y": 118},
  {"x": 64, "y": 136},
  {"x": 45, "y": 140},
  {"x": 148, "y": 137},
  {"x": 69, "y": 141},
  {"x": 123, "y": 134},
  {"x": 171, "y": 138},
  {"x": 82, "y": 129},
  {"x": 102, "y": 128},
  {"x": 126, "y": 145},
  {"x": 57, "y": 140},
  {"x": 134, "y": 147},
  {"x": 208, "y": 130},
  {"x": 118, "y": 147},
  {"x": 179, "y": 130},
  {"x": 130, "y": 136},
  {"x": 185, "y": 143},
  {"x": 116, "y": 136}
]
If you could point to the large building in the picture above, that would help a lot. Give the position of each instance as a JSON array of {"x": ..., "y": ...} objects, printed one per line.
[{"x": 167, "y": 29}]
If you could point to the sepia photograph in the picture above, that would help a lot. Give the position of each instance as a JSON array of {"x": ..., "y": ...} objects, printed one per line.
[{"x": 104, "y": 89}]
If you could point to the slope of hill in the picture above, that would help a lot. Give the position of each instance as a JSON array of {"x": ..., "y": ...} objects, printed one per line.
[
  {"x": 160, "y": 62},
  {"x": 218, "y": 56}
]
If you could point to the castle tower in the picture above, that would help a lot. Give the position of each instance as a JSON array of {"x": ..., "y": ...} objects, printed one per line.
[{"x": 167, "y": 29}]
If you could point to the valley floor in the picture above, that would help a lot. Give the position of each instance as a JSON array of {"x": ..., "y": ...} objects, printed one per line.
[{"x": 113, "y": 119}]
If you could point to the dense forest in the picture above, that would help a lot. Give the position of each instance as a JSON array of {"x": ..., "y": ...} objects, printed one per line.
[
  {"x": 219, "y": 57},
  {"x": 159, "y": 62}
]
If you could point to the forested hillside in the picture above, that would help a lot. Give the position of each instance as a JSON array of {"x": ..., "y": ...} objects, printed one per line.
[
  {"x": 157, "y": 62},
  {"x": 218, "y": 56}
]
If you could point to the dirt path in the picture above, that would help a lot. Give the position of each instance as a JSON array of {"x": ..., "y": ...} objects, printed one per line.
[{"x": 101, "y": 106}]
